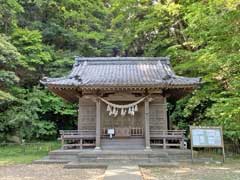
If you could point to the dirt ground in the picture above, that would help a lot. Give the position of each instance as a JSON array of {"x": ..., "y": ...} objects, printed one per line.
[
  {"x": 193, "y": 172},
  {"x": 48, "y": 172},
  {"x": 183, "y": 172}
]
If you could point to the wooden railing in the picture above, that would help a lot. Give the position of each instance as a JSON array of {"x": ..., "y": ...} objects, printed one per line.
[
  {"x": 105, "y": 132},
  {"x": 86, "y": 138},
  {"x": 126, "y": 132},
  {"x": 77, "y": 138},
  {"x": 167, "y": 138},
  {"x": 136, "y": 131}
]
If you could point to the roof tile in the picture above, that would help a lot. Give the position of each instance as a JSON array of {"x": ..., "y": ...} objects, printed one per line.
[{"x": 122, "y": 71}]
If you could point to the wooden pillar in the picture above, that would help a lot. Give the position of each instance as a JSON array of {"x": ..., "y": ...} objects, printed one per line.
[
  {"x": 146, "y": 124},
  {"x": 62, "y": 140},
  {"x": 165, "y": 118},
  {"x": 79, "y": 117},
  {"x": 98, "y": 125}
]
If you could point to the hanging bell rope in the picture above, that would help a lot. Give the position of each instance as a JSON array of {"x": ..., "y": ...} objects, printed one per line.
[{"x": 113, "y": 109}]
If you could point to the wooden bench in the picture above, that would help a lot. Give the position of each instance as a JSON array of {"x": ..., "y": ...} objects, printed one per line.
[
  {"x": 80, "y": 138},
  {"x": 167, "y": 138}
]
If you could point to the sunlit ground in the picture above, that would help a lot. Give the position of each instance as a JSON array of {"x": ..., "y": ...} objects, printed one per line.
[
  {"x": 228, "y": 171},
  {"x": 48, "y": 172}
]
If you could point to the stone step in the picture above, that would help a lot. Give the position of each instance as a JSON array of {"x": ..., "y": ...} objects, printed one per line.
[
  {"x": 122, "y": 148},
  {"x": 65, "y": 152},
  {"x": 63, "y": 157},
  {"x": 116, "y": 152},
  {"x": 51, "y": 161},
  {"x": 46, "y": 160},
  {"x": 121, "y": 161},
  {"x": 68, "y": 155},
  {"x": 76, "y": 165},
  {"x": 159, "y": 164},
  {"x": 124, "y": 157},
  {"x": 112, "y": 156},
  {"x": 179, "y": 152},
  {"x": 159, "y": 160},
  {"x": 109, "y": 156},
  {"x": 123, "y": 144}
]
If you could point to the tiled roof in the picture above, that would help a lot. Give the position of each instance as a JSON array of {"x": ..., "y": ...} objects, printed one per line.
[{"x": 122, "y": 72}]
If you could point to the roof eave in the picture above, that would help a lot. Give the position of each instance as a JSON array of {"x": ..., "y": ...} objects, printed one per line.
[{"x": 112, "y": 86}]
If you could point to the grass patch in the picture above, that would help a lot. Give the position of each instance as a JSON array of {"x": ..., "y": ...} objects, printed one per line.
[
  {"x": 26, "y": 153},
  {"x": 230, "y": 158}
]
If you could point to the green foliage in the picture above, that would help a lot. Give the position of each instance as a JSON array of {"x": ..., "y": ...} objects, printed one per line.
[
  {"x": 214, "y": 29},
  {"x": 23, "y": 120},
  {"x": 29, "y": 44},
  {"x": 9, "y": 59},
  {"x": 30, "y": 118},
  {"x": 9, "y": 56},
  {"x": 34, "y": 54},
  {"x": 144, "y": 25},
  {"x": 39, "y": 38},
  {"x": 8, "y": 14},
  {"x": 202, "y": 39}
]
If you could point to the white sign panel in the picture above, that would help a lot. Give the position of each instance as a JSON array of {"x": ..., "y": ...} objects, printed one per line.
[
  {"x": 206, "y": 137},
  {"x": 110, "y": 131}
]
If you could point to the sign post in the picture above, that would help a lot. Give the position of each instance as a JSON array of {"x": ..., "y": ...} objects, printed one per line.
[{"x": 211, "y": 137}]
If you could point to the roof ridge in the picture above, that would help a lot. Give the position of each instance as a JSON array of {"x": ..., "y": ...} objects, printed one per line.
[{"x": 78, "y": 58}]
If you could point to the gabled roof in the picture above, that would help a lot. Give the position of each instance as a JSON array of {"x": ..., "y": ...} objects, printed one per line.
[{"x": 103, "y": 72}]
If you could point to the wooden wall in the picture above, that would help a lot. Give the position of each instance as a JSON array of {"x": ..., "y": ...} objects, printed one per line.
[
  {"x": 87, "y": 115},
  {"x": 158, "y": 114},
  {"x": 122, "y": 121}
]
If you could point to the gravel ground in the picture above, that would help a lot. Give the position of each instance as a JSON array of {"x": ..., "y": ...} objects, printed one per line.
[
  {"x": 193, "y": 172},
  {"x": 48, "y": 172}
]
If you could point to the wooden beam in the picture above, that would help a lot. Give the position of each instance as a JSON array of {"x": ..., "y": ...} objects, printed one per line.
[
  {"x": 165, "y": 114},
  {"x": 79, "y": 117},
  {"x": 98, "y": 125},
  {"x": 146, "y": 123}
]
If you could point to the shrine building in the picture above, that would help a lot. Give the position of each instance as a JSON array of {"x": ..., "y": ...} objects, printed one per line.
[{"x": 122, "y": 102}]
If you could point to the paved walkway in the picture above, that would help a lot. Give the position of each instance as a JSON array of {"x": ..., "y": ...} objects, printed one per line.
[{"x": 122, "y": 172}]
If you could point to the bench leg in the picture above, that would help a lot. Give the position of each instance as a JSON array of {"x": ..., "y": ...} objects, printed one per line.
[
  {"x": 62, "y": 143},
  {"x": 164, "y": 143},
  {"x": 81, "y": 144},
  {"x": 182, "y": 144}
]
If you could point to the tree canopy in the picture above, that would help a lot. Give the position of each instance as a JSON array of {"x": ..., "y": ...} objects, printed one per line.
[{"x": 40, "y": 38}]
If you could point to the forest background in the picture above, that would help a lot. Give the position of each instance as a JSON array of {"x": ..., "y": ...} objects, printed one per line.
[{"x": 40, "y": 38}]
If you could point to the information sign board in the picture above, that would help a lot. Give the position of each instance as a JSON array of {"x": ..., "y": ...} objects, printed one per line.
[
  {"x": 210, "y": 137},
  {"x": 206, "y": 137}
]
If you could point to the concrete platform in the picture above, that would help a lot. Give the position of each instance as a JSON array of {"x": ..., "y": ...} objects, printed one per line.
[
  {"x": 77, "y": 165},
  {"x": 81, "y": 158}
]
